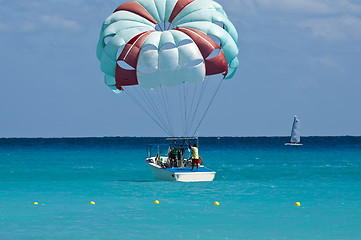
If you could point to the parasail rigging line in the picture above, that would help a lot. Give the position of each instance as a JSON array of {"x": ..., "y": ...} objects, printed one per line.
[
  {"x": 214, "y": 95},
  {"x": 145, "y": 102},
  {"x": 191, "y": 107},
  {"x": 168, "y": 111},
  {"x": 163, "y": 103},
  {"x": 153, "y": 105},
  {"x": 181, "y": 111},
  {"x": 204, "y": 86},
  {"x": 164, "y": 127},
  {"x": 185, "y": 91},
  {"x": 140, "y": 105},
  {"x": 161, "y": 113}
]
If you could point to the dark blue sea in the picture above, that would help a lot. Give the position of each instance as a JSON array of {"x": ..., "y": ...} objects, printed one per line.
[{"x": 257, "y": 184}]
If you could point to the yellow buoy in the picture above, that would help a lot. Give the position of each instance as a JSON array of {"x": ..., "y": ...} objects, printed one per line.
[
  {"x": 216, "y": 203},
  {"x": 92, "y": 203},
  {"x": 35, "y": 203},
  {"x": 297, "y": 204},
  {"x": 156, "y": 202}
]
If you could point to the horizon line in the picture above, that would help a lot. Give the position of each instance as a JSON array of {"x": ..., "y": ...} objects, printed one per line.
[{"x": 83, "y": 137}]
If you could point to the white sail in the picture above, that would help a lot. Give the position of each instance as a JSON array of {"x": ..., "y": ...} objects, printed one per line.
[{"x": 295, "y": 133}]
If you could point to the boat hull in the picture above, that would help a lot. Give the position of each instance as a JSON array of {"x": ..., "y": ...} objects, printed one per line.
[{"x": 181, "y": 174}]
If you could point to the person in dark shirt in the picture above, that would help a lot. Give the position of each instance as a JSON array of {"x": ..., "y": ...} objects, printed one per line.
[{"x": 173, "y": 157}]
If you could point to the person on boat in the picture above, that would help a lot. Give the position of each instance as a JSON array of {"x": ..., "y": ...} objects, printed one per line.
[
  {"x": 158, "y": 161},
  {"x": 180, "y": 155},
  {"x": 173, "y": 157},
  {"x": 195, "y": 156}
]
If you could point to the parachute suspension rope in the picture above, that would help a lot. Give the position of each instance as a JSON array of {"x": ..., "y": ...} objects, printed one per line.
[
  {"x": 162, "y": 119},
  {"x": 142, "y": 107},
  {"x": 160, "y": 94},
  {"x": 166, "y": 130},
  {"x": 204, "y": 86},
  {"x": 162, "y": 102},
  {"x": 214, "y": 95},
  {"x": 185, "y": 91},
  {"x": 168, "y": 112},
  {"x": 147, "y": 104},
  {"x": 181, "y": 111},
  {"x": 153, "y": 105},
  {"x": 191, "y": 108}
]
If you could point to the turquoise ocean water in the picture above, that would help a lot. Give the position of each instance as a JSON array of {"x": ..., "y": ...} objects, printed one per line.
[{"x": 257, "y": 184}]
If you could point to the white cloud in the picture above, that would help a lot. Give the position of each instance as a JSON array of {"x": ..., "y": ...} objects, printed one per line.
[
  {"x": 59, "y": 22},
  {"x": 39, "y": 24},
  {"x": 292, "y": 6},
  {"x": 299, "y": 6},
  {"x": 338, "y": 29},
  {"x": 334, "y": 20}
]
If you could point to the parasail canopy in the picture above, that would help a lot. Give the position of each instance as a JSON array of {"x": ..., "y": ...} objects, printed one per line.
[{"x": 160, "y": 51}]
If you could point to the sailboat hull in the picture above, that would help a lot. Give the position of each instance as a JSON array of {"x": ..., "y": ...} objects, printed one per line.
[{"x": 293, "y": 144}]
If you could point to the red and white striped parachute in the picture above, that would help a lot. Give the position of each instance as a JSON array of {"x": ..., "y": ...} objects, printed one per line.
[{"x": 167, "y": 48}]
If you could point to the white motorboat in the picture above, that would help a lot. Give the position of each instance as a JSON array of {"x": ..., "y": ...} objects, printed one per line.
[
  {"x": 161, "y": 168},
  {"x": 295, "y": 133}
]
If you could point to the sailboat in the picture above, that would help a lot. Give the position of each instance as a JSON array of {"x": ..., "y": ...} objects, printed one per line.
[{"x": 295, "y": 133}]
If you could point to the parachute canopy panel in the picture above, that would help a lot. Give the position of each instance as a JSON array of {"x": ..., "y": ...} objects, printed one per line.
[{"x": 181, "y": 32}]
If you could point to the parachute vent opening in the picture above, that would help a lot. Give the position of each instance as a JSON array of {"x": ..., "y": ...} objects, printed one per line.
[
  {"x": 108, "y": 38},
  {"x": 194, "y": 63},
  {"x": 149, "y": 47},
  {"x": 185, "y": 42},
  {"x": 147, "y": 70},
  {"x": 221, "y": 24},
  {"x": 214, "y": 53},
  {"x": 125, "y": 65},
  {"x": 167, "y": 46},
  {"x": 120, "y": 50},
  {"x": 163, "y": 26},
  {"x": 215, "y": 39}
]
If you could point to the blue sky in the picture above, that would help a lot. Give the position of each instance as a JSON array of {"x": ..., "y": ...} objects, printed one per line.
[{"x": 299, "y": 57}]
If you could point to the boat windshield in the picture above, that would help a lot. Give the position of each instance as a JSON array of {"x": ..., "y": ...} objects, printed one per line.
[{"x": 178, "y": 144}]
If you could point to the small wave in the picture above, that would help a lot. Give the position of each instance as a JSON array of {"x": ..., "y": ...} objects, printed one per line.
[
  {"x": 84, "y": 167},
  {"x": 138, "y": 181},
  {"x": 331, "y": 166}
]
